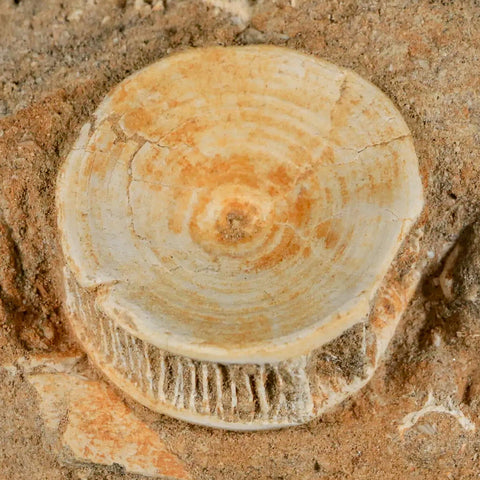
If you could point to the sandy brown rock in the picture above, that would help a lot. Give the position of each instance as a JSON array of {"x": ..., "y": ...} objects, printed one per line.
[{"x": 424, "y": 55}]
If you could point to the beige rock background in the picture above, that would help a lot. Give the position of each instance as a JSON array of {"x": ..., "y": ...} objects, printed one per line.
[{"x": 418, "y": 418}]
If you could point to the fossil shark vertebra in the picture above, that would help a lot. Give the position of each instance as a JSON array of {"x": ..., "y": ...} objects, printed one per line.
[{"x": 231, "y": 222}]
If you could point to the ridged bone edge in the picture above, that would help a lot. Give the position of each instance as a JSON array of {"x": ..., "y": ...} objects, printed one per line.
[
  {"x": 243, "y": 396},
  {"x": 247, "y": 394}
]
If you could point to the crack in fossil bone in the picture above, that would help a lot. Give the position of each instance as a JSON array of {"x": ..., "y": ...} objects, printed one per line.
[{"x": 384, "y": 143}]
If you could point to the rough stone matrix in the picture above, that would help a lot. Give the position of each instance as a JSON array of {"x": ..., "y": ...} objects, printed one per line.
[
  {"x": 85, "y": 422},
  {"x": 59, "y": 59}
]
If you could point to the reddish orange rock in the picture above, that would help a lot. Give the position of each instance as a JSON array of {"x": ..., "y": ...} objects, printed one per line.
[{"x": 99, "y": 428}]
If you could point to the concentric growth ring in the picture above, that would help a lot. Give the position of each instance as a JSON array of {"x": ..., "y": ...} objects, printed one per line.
[{"x": 244, "y": 204}]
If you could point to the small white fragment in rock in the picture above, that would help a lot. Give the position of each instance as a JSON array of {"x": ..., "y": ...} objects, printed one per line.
[
  {"x": 437, "y": 339},
  {"x": 10, "y": 369},
  {"x": 445, "y": 279},
  {"x": 140, "y": 5},
  {"x": 430, "y": 407},
  {"x": 49, "y": 363},
  {"x": 430, "y": 254},
  {"x": 446, "y": 286},
  {"x": 75, "y": 16},
  {"x": 472, "y": 294},
  {"x": 283, "y": 36},
  {"x": 427, "y": 428},
  {"x": 252, "y": 36},
  {"x": 158, "y": 6},
  {"x": 237, "y": 8}
]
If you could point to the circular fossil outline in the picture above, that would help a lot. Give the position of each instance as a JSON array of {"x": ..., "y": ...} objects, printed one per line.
[
  {"x": 112, "y": 296},
  {"x": 381, "y": 322}
]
